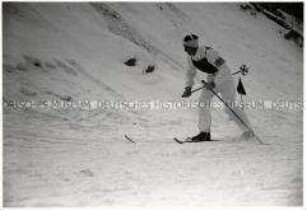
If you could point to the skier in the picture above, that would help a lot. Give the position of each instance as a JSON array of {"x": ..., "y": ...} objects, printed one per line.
[{"x": 219, "y": 79}]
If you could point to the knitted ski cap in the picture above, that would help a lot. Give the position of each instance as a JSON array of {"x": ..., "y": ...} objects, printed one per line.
[{"x": 191, "y": 40}]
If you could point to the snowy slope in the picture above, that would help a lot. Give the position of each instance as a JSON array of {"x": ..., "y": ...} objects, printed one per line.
[{"x": 72, "y": 52}]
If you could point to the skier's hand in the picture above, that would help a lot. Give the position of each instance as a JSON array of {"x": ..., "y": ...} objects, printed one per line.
[
  {"x": 187, "y": 92},
  {"x": 210, "y": 85}
]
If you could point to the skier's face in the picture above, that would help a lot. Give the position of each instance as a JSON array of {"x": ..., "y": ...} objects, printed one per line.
[{"x": 190, "y": 50}]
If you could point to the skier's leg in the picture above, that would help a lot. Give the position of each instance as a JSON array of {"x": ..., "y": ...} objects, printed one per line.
[
  {"x": 204, "y": 110},
  {"x": 228, "y": 92}
]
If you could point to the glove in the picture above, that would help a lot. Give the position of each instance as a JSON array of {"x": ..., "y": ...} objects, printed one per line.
[
  {"x": 187, "y": 92},
  {"x": 210, "y": 85}
]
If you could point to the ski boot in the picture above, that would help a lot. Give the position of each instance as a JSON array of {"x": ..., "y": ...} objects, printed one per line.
[{"x": 202, "y": 136}]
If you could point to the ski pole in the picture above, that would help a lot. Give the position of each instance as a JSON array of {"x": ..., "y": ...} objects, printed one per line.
[
  {"x": 226, "y": 104},
  {"x": 204, "y": 83},
  {"x": 195, "y": 90},
  {"x": 256, "y": 137},
  {"x": 237, "y": 72}
]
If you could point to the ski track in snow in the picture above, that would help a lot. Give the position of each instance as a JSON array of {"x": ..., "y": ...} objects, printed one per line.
[{"x": 81, "y": 158}]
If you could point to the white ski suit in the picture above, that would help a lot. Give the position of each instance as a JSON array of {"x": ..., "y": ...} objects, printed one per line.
[{"x": 224, "y": 85}]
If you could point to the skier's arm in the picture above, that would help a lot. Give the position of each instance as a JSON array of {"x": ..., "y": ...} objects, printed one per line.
[{"x": 190, "y": 73}]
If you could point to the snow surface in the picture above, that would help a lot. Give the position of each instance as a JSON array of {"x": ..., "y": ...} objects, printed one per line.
[{"x": 79, "y": 157}]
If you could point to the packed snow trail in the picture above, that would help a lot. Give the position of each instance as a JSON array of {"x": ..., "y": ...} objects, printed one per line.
[{"x": 98, "y": 166}]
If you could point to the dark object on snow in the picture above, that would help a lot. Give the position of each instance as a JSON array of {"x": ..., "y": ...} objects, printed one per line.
[
  {"x": 295, "y": 36},
  {"x": 254, "y": 13},
  {"x": 130, "y": 62},
  {"x": 87, "y": 173},
  {"x": 63, "y": 97},
  {"x": 150, "y": 69},
  {"x": 240, "y": 88},
  {"x": 38, "y": 64},
  {"x": 251, "y": 8},
  {"x": 245, "y": 7},
  {"x": 66, "y": 98}
]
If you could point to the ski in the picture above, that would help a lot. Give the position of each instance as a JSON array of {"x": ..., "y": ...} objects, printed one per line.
[
  {"x": 181, "y": 141},
  {"x": 188, "y": 140}
]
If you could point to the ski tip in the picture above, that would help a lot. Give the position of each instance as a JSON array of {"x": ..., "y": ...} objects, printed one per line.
[
  {"x": 178, "y": 141},
  {"x": 129, "y": 138}
]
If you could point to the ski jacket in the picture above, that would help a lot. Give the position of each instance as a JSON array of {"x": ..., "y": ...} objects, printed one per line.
[{"x": 206, "y": 60}]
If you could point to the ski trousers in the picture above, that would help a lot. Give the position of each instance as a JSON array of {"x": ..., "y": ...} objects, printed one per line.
[{"x": 226, "y": 88}]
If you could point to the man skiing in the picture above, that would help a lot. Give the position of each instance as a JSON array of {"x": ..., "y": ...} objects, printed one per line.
[{"x": 219, "y": 79}]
